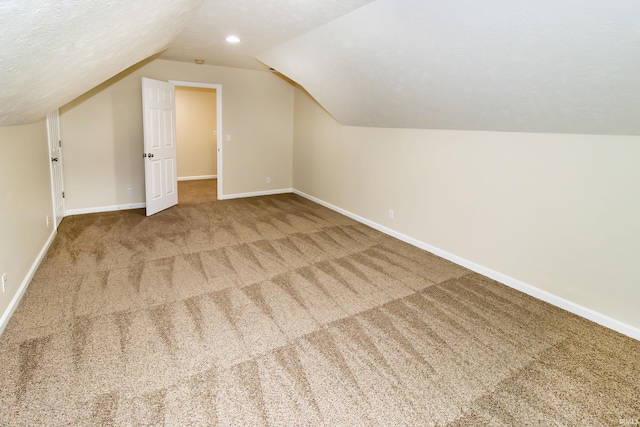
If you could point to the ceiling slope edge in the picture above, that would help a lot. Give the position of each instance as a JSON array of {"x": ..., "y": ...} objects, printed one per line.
[
  {"x": 260, "y": 25},
  {"x": 565, "y": 66}
]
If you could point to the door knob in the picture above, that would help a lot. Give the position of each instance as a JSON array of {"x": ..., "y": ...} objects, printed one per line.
[{"x": 54, "y": 159}]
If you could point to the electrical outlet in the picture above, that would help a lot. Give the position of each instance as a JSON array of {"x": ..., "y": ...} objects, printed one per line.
[
  {"x": 47, "y": 219},
  {"x": 129, "y": 191},
  {"x": 268, "y": 180},
  {"x": 391, "y": 214},
  {"x": 4, "y": 282}
]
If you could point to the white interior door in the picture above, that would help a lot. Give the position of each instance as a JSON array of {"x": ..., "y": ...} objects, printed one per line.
[
  {"x": 161, "y": 182},
  {"x": 55, "y": 152}
]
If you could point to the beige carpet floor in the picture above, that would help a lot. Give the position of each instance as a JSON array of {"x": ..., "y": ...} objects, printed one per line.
[
  {"x": 277, "y": 311},
  {"x": 197, "y": 191}
]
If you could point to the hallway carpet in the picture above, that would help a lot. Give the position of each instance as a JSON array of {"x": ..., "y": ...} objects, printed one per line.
[
  {"x": 277, "y": 311},
  {"x": 197, "y": 191}
]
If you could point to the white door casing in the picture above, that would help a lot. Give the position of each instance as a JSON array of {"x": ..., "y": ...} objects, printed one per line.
[
  {"x": 159, "y": 126},
  {"x": 55, "y": 154},
  {"x": 219, "y": 133}
]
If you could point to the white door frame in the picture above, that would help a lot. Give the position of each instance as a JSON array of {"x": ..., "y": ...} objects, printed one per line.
[
  {"x": 218, "y": 88},
  {"x": 54, "y": 154}
]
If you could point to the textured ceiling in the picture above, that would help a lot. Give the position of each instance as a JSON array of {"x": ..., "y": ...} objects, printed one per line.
[
  {"x": 568, "y": 66},
  {"x": 53, "y": 51},
  {"x": 260, "y": 25}
]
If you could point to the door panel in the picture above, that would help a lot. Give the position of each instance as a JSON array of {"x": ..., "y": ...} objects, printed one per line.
[
  {"x": 159, "y": 145},
  {"x": 156, "y": 168},
  {"x": 170, "y": 167},
  {"x": 168, "y": 122}
]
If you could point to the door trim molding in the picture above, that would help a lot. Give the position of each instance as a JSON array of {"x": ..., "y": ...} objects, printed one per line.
[{"x": 219, "y": 133}]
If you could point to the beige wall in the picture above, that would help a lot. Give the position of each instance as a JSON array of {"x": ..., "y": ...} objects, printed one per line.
[
  {"x": 196, "y": 131},
  {"x": 25, "y": 194},
  {"x": 558, "y": 212},
  {"x": 102, "y": 133}
]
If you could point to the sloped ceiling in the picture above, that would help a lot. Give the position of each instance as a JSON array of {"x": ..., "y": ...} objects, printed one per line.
[
  {"x": 566, "y": 66},
  {"x": 569, "y": 66},
  {"x": 53, "y": 51}
]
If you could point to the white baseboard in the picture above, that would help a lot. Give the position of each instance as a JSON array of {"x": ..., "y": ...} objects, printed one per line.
[
  {"x": 255, "y": 193},
  {"x": 105, "y": 209},
  {"x": 531, "y": 290},
  {"x": 25, "y": 283},
  {"x": 196, "y": 177}
]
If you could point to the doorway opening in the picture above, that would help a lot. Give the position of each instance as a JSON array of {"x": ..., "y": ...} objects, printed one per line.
[{"x": 198, "y": 141}]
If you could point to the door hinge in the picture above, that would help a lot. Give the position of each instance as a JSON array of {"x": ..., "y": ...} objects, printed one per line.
[
  {"x": 63, "y": 194},
  {"x": 59, "y": 143}
]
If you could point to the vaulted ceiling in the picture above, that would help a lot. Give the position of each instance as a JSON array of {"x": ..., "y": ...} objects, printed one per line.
[
  {"x": 52, "y": 51},
  {"x": 568, "y": 66}
]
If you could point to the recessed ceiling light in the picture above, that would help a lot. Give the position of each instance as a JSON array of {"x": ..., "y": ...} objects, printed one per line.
[
  {"x": 199, "y": 61},
  {"x": 232, "y": 39}
]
